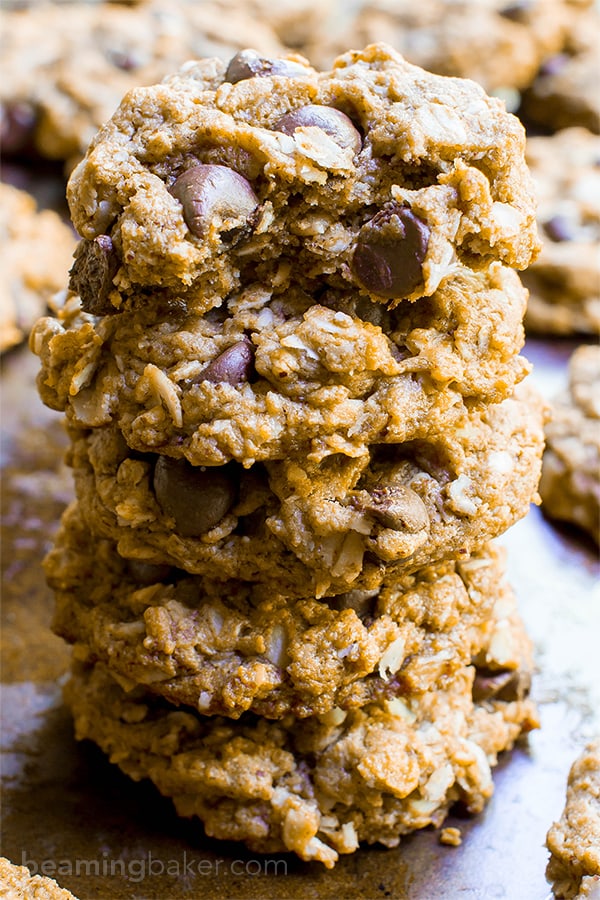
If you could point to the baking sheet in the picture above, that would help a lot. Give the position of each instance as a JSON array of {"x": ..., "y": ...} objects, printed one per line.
[{"x": 68, "y": 813}]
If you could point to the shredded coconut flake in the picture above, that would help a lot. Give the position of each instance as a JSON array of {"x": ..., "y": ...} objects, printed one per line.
[
  {"x": 164, "y": 389},
  {"x": 392, "y": 658}
]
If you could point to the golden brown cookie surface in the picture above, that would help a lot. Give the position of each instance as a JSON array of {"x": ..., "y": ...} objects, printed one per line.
[{"x": 227, "y": 647}]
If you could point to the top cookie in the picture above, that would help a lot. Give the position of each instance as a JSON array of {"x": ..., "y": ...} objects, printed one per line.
[{"x": 376, "y": 176}]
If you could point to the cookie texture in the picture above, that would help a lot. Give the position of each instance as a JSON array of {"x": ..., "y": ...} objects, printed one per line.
[
  {"x": 36, "y": 249},
  {"x": 374, "y": 177},
  {"x": 316, "y": 787},
  {"x": 289, "y": 364},
  {"x": 228, "y": 647},
  {"x": 564, "y": 281},
  {"x": 574, "y": 841},
  {"x": 329, "y": 527},
  {"x": 17, "y": 882},
  {"x": 278, "y": 374},
  {"x": 570, "y": 482},
  {"x": 58, "y": 85}
]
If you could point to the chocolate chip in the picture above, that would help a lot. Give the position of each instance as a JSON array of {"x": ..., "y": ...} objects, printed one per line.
[
  {"x": 125, "y": 60},
  {"x": 248, "y": 64},
  {"x": 390, "y": 251},
  {"x": 517, "y": 12},
  {"x": 559, "y": 228},
  {"x": 91, "y": 276},
  {"x": 232, "y": 366},
  {"x": 197, "y": 497},
  {"x": 147, "y": 573},
  {"x": 504, "y": 684},
  {"x": 17, "y": 126},
  {"x": 394, "y": 506},
  {"x": 213, "y": 195},
  {"x": 330, "y": 120},
  {"x": 362, "y": 602},
  {"x": 554, "y": 64}
]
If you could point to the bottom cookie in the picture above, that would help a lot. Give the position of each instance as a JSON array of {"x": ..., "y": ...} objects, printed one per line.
[
  {"x": 318, "y": 786},
  {"x": 574, "y": 841}
]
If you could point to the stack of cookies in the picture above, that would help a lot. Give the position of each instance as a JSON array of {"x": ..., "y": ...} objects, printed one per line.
[{"x": 289, "y": 362}]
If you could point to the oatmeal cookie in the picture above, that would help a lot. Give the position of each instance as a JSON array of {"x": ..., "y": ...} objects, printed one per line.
[
  {"x": 296, "y": 22},
  {"x": 497, "y": 43},
  {"x": 326, "y": 527},
  {"x": 36, "y": 249},
  {"x": 375, "y": 178},
  {"x": 62, "y": 78},
  {"x": 570, "y": 482},
  {"x": 228, "y": 647},
  {"x": 565, "y": 92},
  {"x": 574, "y": 841},
  {"x": 274, "y": 374},
  {"x": 17, "y": 882},
  {"x": 564, "y": 281},
  {"x": 314, "y": 786}
]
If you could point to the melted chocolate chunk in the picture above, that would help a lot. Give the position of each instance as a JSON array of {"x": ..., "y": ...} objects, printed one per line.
[
  {"x": 248, "y": 64},
  {"x": 213, "y": 195},
  {"x": 390, "y": 252},
  {"x": 197, "y": 497},
  {"x": 504, "y": 684},
  {"x": 394, "y": 506},
  {"x": 330, "y": 120},
  {"x": 91, "y": 275},
  {"x": 233, "y": 365}
]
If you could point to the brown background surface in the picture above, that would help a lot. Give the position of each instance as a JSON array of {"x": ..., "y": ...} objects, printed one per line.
[{"x": 69, "y": 813}]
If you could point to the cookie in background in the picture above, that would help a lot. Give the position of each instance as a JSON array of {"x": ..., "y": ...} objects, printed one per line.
[
  {"x": 570, "y": 482},
  {"x": 36, "y": 252}
]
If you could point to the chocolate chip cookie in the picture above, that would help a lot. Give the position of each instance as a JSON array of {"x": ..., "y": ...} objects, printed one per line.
[
  {"x": 65, "y": 68},
  {"x": 36, "y": 249},
  {"x": 228, "y": 647},
  {"x": 570, "y": 482},
  {"x": 565, "y": 92},
  {"x": 574, "y": 841},
  {"x": 289, "y": 363},
  {"x": 564, "y": 281},
  {"x": 328, "y": 527},
  {"x": 497, "y": 43},
  {"x": 296, "y": 22},
  {"x": 374, "y": 178},
  {"x": 318, "y": 786},
  {"x": 275, "y": 374}
]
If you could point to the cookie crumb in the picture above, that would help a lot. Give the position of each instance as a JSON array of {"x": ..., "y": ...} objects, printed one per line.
[{"x": 451, "y": 836}]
